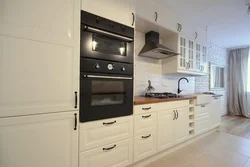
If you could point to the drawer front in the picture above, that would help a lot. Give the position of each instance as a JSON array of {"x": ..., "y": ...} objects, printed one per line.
[
  {"x": 144, "y": 123},
  {"x": 99, "y": 133},
  {"x": 145, "y": 108},
  {"x": 202, "y": 125},
  {"x": 173, "y": 105},
  {"x": 144, "y": 146},
  {"x": 119, "y": 154},
  {"x": 202, "y": 110}
]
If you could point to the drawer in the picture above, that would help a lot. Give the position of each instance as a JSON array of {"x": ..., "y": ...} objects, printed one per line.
[
  {"x": 145, "y": 108},
  {"x": 99, "y": 133},
  {"x": 118, "y": 154},
  {"x": 202, "y": 110},
  {"x": 173, "y": 105},
  {"x": 144, "y": 146},
  {"x": 144, "y": 123}
]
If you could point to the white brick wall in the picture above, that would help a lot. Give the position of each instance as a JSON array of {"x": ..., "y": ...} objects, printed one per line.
[{"x": 151, "y": 69}]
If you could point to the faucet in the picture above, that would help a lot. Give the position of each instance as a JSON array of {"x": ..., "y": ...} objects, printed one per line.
[{"x": 179, "y": 90}]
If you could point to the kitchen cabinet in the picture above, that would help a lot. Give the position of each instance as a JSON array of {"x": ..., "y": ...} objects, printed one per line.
[
  {"x": 117, "y": 10},
  {"x": 39, "y": 140},
  {"x": 98, "y": 133},
  {"x": 39, "y": 52},
  {"x": 146, "y": 9},
  {"x": 144, "y": 123},
  {"x": 117, "y": 154},
  {"x": 215, "y": 112},
  {"x": 202, "y": 118},
  {"x": 182, "y": 125},
  {"x": 144, "y": 146},
  {"x": 172, "y": 128},
  {"x": 200, "y": 34}
]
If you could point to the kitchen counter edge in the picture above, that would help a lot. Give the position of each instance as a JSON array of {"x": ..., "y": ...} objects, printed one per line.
[{"x": 147, "y": 100}]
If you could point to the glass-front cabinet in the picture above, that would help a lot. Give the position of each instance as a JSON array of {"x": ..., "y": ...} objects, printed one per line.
[{"x": 193, "y": 56}]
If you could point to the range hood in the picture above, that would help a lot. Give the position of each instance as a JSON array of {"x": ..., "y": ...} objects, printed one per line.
[{"x": 153, "y": 49}]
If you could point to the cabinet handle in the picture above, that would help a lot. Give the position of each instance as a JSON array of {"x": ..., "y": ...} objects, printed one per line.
[
  {"x": 180, "y": 28},
  {"x": 144, "y": 137},
  {"x": 147, "y": 116},
  {"x": 156, "y": 16},
  {"x": 177, "y": 114},
  {"x": 196, "y": 35},
  {"x": 146, "y": 108},
  {"x": 174, "y": 114},
  {"x": 75, "y": 99},
  {"x": 203, "y": 105},
  {"x": 133, "y": 22},
  {"x": 109, "y": 148},
  {"x": 108, "y": 123},
  {"x": 216, "y": 98},
  {"x": 75, "y": 128}
]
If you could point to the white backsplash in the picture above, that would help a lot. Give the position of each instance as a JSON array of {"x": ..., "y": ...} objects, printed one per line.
[{"x": 151, "y": 69}]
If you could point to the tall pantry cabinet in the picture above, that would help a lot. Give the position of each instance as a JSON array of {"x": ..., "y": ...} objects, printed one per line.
[{"x": 39, "y": 69}]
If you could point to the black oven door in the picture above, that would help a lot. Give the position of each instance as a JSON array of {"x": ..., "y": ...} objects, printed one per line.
[
  {"x": 104, "y": 97},
  {"x": 106, "y": 46}
]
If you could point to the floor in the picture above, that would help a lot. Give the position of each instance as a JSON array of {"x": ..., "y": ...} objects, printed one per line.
[
  {"x": 228, "y": 148},
  {"x": 238, "y": 126}
]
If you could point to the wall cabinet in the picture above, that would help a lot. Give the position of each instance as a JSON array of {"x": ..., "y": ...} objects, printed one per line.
[
  {"x": 173, "y": 127},
  {"x": 146, "y": 9},
  {"x": 41, "y": 140},
  {"x": 116, "y": 10},
  {"x": 39, "y": 53}
]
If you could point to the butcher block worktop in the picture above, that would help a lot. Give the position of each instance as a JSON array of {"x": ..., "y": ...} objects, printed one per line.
[{"x": 146, "y": 100}]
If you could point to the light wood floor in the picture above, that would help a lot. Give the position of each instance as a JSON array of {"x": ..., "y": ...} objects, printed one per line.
[{"x": 235, "y": 125}]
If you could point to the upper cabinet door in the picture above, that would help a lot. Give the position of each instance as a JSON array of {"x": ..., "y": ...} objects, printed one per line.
[
  {"x": 42, "y": 20},
  {"x": 200, "y": 35},
  {"x": 116, "y": 10},
  {"x": 38, "y": 141},
  {"x": 146, "y": 9},
  {"x": 183, "y": 59},
  {"x": 168, "y": 18}
]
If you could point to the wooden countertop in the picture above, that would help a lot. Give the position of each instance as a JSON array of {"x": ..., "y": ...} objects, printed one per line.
[{"x": 146, "y": 100}]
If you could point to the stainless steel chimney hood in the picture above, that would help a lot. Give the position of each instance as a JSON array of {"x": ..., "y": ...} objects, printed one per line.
[{"x": 153, "y": 49}]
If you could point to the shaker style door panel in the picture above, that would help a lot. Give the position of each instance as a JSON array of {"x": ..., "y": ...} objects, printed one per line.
[
  {"x": 46, "y": 140},
  {"x": 43, "y": 20},
  {"x": 146, "y": 9},
  {"x": 35, "y": 77},
  {"x": 182, "y": 125},
  {"x": 116, "y": 10}
]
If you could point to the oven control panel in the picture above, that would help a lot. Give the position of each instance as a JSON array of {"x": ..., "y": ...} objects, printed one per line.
[{"x": 103, "y": 66}]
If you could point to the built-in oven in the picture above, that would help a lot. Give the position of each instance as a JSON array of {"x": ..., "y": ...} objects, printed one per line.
[
  {"x": 106, "y": 68},
  {"x": 105, "y": 39}
]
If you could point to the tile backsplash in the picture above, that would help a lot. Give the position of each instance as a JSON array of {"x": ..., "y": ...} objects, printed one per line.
[{"x": 151, "y": 69}]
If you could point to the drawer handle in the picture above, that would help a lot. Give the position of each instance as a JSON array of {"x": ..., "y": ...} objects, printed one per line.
[
  {"x": 109, "y": 148},
  {"x": 216, "y": 98},
  {"x": 144, "y": 137},
  {"x": 108, "y": 123},
  {"x": 147, "y": 116},
  {"x": 146, "y": 108},
  {"x": 203, "y": 105}
]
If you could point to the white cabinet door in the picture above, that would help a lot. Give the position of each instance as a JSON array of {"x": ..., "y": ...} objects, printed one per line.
[
  {"x": 54, "y": 21},
  {"x": 204, "y": 64},
  {"x": 39, "y": 53},
  {"x": 146, "y": 9},
  {"x": 38, "y": 141},
  {"x": 202, "y": 124},
  {"x": 183, "y": 59},
  {"x": 201, "y": 35},
  {"x": 116, "y": 10},
  {"x": 191, "y": 55},
  {"x": 167, "y": 17},
  {"x": 119, "y": 154},
  {"x": 198, "y": 54},
  {"x": 166, "y": 126},
  {"x": 215, "y": 112},
  {"x": 144, "y": 146},
  {"x": 182, "y": 125},
  {"x": 98, "y": 133}
]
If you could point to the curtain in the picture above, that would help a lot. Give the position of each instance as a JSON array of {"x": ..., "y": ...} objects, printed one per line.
[{"x": 238, "y": 77}]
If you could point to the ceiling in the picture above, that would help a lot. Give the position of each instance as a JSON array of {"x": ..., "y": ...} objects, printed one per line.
[{"x": 227, "y": 21}]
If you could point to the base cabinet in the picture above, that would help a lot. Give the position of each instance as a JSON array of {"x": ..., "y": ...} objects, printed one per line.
[
  {"x": 215, "y": 113},
  {"x": 38, "y": 141},
  {"x": 144, "y": 146},
  {"x": 118, "y": 154},
  {"x": 182, "y": 125}
]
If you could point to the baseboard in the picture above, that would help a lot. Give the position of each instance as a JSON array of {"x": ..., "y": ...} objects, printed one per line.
[{"x": 161, "y": 154}]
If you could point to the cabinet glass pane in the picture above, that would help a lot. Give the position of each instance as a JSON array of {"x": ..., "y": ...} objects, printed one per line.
[
  {"x": 198, "y": 56},
  {"x": 183, "y": 52}
]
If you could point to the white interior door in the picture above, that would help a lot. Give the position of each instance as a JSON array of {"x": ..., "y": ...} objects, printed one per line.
[
  {"x": 38, "y": 141},
  {"x": 182, "y": 125}
]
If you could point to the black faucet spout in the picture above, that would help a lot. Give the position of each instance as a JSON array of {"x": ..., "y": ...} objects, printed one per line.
[{"x": 179, "y": 90}]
